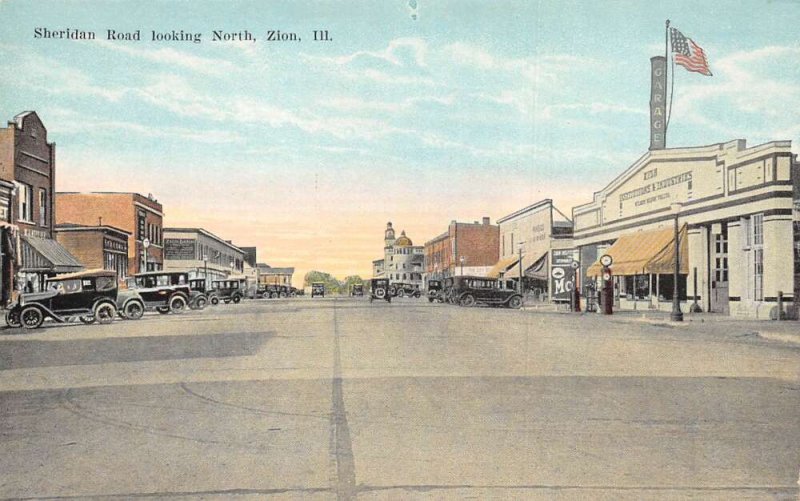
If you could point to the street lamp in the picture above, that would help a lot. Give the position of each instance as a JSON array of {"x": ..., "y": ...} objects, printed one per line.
[
  {"x": 677, "y": 314},
  {"x": 462, "y": 264},
  {"x": 519, "y": 249}
]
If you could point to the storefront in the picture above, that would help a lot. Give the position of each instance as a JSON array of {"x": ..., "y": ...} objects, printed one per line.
[
  {"x": 734, "y": 207},
  {"x": 43, "y": 258}
]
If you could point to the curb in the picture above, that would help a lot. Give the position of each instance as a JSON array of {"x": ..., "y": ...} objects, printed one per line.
[{"x": 778, "y": 336}]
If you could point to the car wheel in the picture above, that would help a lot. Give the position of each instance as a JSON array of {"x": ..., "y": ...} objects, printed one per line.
[
  {"x": 293, "y": 294},
  {"x": 104, "y": 313},
  {"x": 273, "y": 295},
  {"x": 31, "y": 317},
  {"x": 515, "y": 302},
  {"x": 87, "y": 319},
  {"x": 283, "y": 295},
  {"x": 417, "y": 295},
  {"x": 380, "y": 293},
  {"x": 200, "y": 303},
  {"x": 430, "y": 299},
  {"x": 215, "y": 300},
  {"x": 12, "y": 318},
  {"x": 467, "y": 300},
  {"x": 236, "y": 299},
  {"x": 163, "y": 309},
  {"x": 177, "y": 304},
  {"x": 134, "y": 310}
]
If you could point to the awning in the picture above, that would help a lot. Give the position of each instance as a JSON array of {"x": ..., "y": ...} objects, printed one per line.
[
  {"x": 502, "y": 266},
  {"x": 44, "y": 254},
  {"x": 645, "y": 252},
  {"x": 533, "y": 269}
]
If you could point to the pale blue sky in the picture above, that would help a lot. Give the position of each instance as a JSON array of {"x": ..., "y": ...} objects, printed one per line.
[{"x": 307, "y": 149}]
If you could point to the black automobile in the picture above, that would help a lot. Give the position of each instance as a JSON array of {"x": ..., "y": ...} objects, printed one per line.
[
  {"x": 407, "y": 290},
  {"x": 318, "y": 289},
  {"x": 275, "y": 291},
  {"x": 198, "y": 285},
  {"x": 469, "y": 291},
  {"x": 164, "y": 291},
  {"x": 435, "y": 292},
  {"x": 228, "y": 290},
  {"x": 379, "y": 289},
  {"x": 89, "y": 295},
  {"x": 357, "y": 290}
]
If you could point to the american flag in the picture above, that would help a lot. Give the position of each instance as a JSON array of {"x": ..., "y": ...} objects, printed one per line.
[{"x": 688, "y": 54}]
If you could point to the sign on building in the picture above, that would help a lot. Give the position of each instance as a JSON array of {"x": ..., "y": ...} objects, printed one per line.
[
  {"x": 179, "y": 249},
  {"x": 562, "y": 274},
  {"x": 658, "y": 103}
]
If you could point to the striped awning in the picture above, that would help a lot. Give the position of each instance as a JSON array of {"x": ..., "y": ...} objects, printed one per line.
[
  {"x": 532, "y": 269},
  {"x": 502, "y": 266},
  {"x": 645, "y": 252},
  {"x": 44, "y": 254}
]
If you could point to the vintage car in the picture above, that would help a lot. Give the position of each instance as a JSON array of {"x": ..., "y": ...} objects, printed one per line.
[
  {"x": 274, "y": 291},
  {"x": 130, "y": 304},
  {"x": 407, "y": 290},
  {"x": 229, "y": 290},
  {"x": 379, "y": 289},
  {"x": 89, "y": 295},
  {"x": 164, "y": 291},
  {"x": 435, "y": 292},
  {"x": 357, "y": 290},
  {"x": 469, "y": 291},
  {"x": 199, "y": 286},
  {"x": 318, "y": 289}
]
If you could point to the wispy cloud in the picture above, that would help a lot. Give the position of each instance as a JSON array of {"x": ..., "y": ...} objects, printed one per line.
[{"x": 173, "y": 57}]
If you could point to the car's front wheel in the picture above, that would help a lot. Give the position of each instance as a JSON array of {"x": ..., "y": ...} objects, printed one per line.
[
  {"x": 134, "y": 310},
  {"x": 177, "y": 304},
  {"x": 214, "y": 300},
  {"x": 12, "y": 318},
  {"x": 200, "y": 303},
  {"x": 515, "y": 302},
  {"x": 468, "y": 300},
  {"x": 236, "y": 299},
  {"x": 31, "y": 317},
  {"x": 104, "y": 313}
]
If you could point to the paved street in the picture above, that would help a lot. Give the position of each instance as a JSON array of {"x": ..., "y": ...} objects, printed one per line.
[{"x": 342, "y": 399}]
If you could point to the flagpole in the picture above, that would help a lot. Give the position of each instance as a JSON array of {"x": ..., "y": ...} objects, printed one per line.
[{"x": 666, "y": 74}]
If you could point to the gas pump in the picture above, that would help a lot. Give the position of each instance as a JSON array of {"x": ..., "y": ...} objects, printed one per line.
[{"x": 607, "y": 289}]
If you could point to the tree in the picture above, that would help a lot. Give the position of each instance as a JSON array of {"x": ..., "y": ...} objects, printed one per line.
[{"x": 332, "y": 285}]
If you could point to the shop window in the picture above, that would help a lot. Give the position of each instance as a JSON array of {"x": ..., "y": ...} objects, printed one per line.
[
  {"x": 637, "y": 286},
  {"x": 758, "y": 229},
  {"x": 666, "y": 287}
]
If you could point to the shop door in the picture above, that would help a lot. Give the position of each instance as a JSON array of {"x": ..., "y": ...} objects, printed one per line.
[{"x": 719, "y": 276}]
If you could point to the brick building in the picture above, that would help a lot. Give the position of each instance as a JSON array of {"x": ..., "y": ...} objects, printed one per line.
[
  {"x": 27, "y": 184},
  {"x": 103, "y": 247},
  {"x": 267, "y": 275},
  {"x": 140, "y": 216},
  {"x": 464, "y": 249}
]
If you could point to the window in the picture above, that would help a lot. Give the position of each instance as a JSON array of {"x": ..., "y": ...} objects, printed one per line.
[
  {"x": 25, "y": 202},
  {"x": 758, "y": 230},
  {"x": 42, "y": 207},
  {"x": 758, "y": 274},
  {"x": 747, "y": 239},
  {"x": 106, "y": 283}
]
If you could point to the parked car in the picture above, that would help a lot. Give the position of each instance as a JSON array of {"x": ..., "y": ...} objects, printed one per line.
[
  {"x": 228, "y": 290},
  {"x": 273, "y": 291},
  {"x": 469, "y": 291},
  {"x": 435, "y": 292},
  {"x": 318, "y": 289},
  {"x": 199, "y": 285},
  {"x": 164, "y": 291},
  {"x": 407, "y": 290},
  {"x": 379, "y": 289},
  {"x": 130, "y": 304},
  {"x": 89, "y": 295},
  {"x": 357, "y": 290}
]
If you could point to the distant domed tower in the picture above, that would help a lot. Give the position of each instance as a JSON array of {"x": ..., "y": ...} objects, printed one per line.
[
  {"x": 403, "y": 241},
  {"x": 389, "y": 235}
]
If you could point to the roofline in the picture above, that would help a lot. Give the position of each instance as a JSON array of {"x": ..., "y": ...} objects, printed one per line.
[
  {"x": 437, "y": 238},
  {"x": 85, "y": 227},
  {"x": 203, "y": 232},
  {"x": 540, "y": 203}
]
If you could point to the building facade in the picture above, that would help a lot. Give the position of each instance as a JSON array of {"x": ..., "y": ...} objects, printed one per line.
[
  {"x": 142, "y": 217},
  {"x": 737, "y": 230},
  {"x": 28, "y": 174},
  {"x": 541, "y": 236},
  {"x": 403, "y": 262},
  {"x": 464, "y": 249},
  {"x": 201, "y": 253},
  {"x": 97, "y": 247},
  {"x": 267, "y": 275}
]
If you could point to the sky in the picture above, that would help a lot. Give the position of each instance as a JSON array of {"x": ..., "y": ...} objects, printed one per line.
[{"x": 416, "y": 112}]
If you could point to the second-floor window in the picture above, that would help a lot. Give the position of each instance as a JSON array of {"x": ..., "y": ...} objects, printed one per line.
[
  {"x": 25, "y": 202},
  {"x": 42, "y": 207}
]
